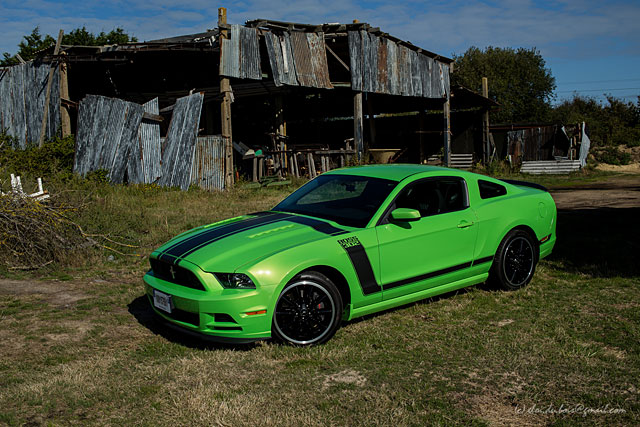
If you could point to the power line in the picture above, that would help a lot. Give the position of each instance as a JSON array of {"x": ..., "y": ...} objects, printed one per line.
[
  {"x": 600, "y": 81},
  {"x": 598, "y": 90}
]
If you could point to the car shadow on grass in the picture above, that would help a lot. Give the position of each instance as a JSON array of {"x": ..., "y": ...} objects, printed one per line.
[
  {"x": 601, "y": 242},
  {"x": 144, "y": 314}
]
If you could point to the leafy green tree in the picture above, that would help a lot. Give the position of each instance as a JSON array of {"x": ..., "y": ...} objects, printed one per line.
[
  {"x": 610, "y": 124},
  {"x": 518, "y": 79},
  {"x": 28, "y": 47},
  {"x": 35, "y": 42}
]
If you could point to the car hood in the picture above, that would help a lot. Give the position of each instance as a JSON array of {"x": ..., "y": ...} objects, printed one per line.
[{"x": 225, "y": 246}]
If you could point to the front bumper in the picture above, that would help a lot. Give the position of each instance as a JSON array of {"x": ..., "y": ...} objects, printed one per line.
[{"x": 218, "y": 314}]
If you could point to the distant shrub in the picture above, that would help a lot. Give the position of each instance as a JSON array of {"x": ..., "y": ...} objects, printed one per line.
[{"x": 612, "y": 156}]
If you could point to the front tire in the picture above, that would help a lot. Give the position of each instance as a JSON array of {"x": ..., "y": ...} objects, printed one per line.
[
  {"x": 308, "y": 311},
  {"x": 515, "y": 261}
]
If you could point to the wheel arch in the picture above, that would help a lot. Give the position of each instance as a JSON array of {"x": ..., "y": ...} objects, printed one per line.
[
  {"x": 336, "y": 277},
  {"x": 531, "y": 233}
]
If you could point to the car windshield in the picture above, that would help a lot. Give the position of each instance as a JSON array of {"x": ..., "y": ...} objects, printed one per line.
[{"x": 346, "y": 199}]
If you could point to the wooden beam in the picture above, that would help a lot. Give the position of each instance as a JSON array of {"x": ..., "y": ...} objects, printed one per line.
[
  {"x": 152, "y": 117},
  {"x": 486, "y": 146},
  {"x": 45, "y": 116},
  {"x": 65, "y": 117},
  {"x": 421, "y": 134},
  {"x": 336, "y": 56},
  {"x": 372, "y": 124},
  {"x": 357, "y": 125},
  {"x": 447, "y": 133},
  {"x": 225, "y": 106}
]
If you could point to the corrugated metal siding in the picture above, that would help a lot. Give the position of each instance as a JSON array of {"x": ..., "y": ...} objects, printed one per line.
[
  {"x": 241, "y": 54},
  {"x": 178, "y": 149},
  {"x": 149, "y": 143},
  {"x": 107, "y": 129},
  {"x": 249, "y": 54},
  {"x": 302, "y": 59},
  {"x": 207, "y": 170},
  {"x": 281, "y": 59},
  {"x": 319, "y": 60},
  {"x": 531, "y": 144},
  {"x": 355, "y": 60},
  {"x": 380, "y": 65},
  {"x": 22, "y": 95}
]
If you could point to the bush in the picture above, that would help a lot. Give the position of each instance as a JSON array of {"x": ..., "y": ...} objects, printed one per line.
[
  {"x": 612, "y": 156},
  {"x": 54, "y": 158}
]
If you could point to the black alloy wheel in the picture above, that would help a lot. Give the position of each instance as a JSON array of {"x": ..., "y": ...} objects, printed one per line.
[
  {"x": 308, "y": 310},
  {"x": 515, "y": 260}
]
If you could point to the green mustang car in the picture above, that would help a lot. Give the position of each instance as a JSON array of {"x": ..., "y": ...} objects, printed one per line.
[{"x": 351, "y": 242}]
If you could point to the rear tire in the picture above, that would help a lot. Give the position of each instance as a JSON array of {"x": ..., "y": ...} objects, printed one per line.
[
  {"x": 308, "y": 311},
  {"x": 515, "y": 261}
]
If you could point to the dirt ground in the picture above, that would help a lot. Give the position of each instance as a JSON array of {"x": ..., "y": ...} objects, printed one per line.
[{"x": 615, "y": 192}]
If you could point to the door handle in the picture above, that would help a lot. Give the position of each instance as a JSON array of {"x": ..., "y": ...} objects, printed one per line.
[{"x": 465, "y": 224}]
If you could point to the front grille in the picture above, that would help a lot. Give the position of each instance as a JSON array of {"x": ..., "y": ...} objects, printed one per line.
[
  {"x": 175, "y": 274},
  {"x": 184, "y": 316}
]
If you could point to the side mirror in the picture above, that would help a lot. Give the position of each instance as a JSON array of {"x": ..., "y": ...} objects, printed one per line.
[{"x": 405, "y": 214}]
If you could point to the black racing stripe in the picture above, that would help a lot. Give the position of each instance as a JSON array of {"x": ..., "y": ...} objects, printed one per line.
[
  {"x": 427, "y": 275},
  {"x": 199, "y": 235},
  {"x": 193, "y": 243},
  {"x": 483, "y": 260},
  {"x": 321, "y": 226},
  {"x": 248, "y": 225},
  {"x": 362, "y": 265}
]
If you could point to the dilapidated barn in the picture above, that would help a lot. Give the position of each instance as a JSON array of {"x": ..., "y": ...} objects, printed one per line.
[{"x": 291, "y": 98}]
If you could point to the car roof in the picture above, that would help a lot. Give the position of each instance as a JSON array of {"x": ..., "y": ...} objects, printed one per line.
[{"x": 394, "y": 172}]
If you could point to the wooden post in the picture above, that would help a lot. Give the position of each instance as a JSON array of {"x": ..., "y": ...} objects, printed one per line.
[
  {"x": 281, "y": 126},
  {"x": 255, "y": 169},
  {"x": 486, "y": 146},
  {"x": 225, "y": 106},
  {"x": 65, "y": 118},
  {"x": 372, "y": 125},
  {"x": 421, "y": 136},
  {"x": 447, "y": 133},
  {"x": 47, "y": 98},
  {"x": 357, "y": 126}
]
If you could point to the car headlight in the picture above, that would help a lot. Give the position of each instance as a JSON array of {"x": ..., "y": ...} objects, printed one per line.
[{"x": 235, "y": 281}]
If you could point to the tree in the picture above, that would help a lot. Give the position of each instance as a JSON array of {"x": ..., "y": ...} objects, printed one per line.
[
  {"x": 28, "y": 47},
  {"x": 518, "y": 80},
  {"x": 611, "y": 124},
  {"x": 35, "y": 42}
]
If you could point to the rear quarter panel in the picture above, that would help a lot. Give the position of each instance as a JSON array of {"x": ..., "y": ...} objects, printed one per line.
[{"x": 497, "y": 216}]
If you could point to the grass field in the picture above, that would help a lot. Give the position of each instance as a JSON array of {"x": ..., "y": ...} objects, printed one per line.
[{"x": 81, "y": 346}]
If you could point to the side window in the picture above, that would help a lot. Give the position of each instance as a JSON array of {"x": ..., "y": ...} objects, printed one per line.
[
  {"x": 489, "y": 190},
  {"x": 434, "y": 196}
]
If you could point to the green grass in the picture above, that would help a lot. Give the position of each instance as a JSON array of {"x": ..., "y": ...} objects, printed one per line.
[{"x": 90, "y": 352}]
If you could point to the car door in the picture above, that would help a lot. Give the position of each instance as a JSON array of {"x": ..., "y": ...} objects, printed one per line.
[{"x": 433, "y": 250}]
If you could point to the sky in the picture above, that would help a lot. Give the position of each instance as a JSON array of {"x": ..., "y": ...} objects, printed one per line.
[{"x": 592, "y": 47}]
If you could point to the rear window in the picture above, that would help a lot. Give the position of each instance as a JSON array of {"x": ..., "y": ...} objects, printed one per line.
[{"x": 489, "y": 190}]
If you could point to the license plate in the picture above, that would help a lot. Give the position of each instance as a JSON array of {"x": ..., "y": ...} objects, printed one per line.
[{"x": 162, "y": 301}]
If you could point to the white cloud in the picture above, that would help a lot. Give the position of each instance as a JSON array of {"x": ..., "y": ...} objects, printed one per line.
[{"x": 558, "y": 28}]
